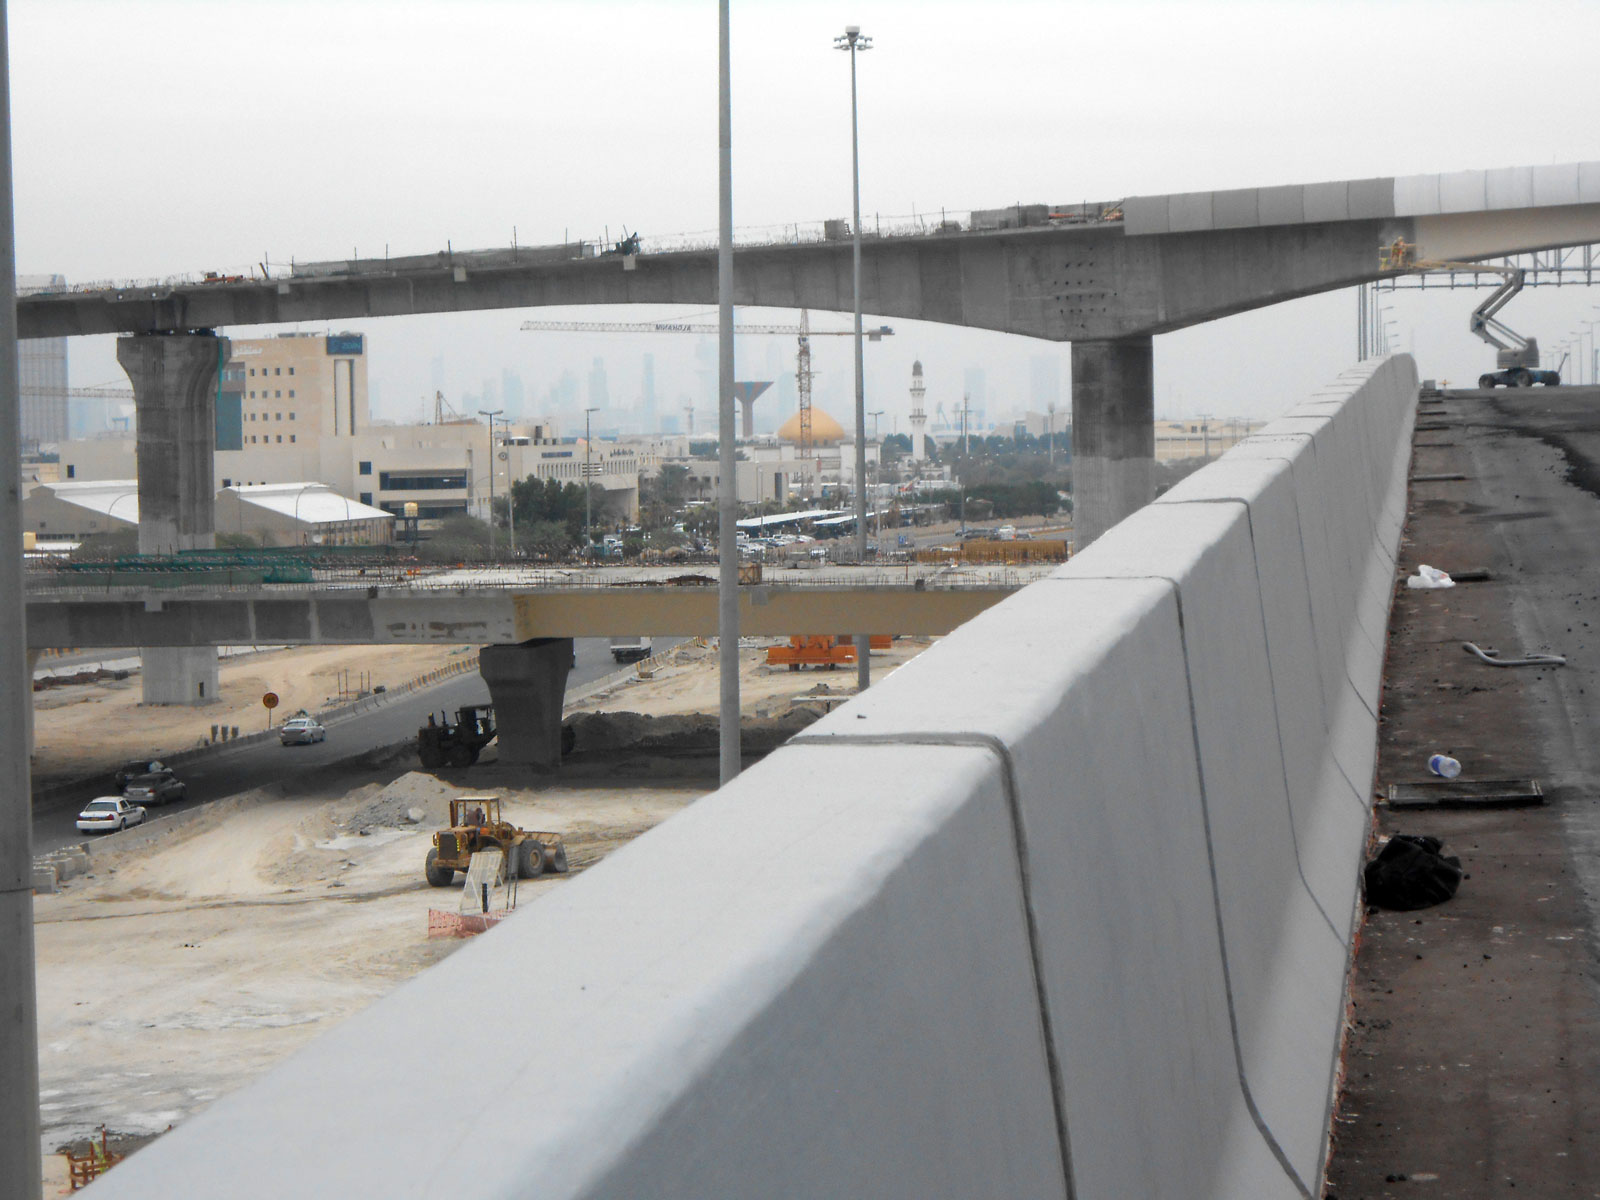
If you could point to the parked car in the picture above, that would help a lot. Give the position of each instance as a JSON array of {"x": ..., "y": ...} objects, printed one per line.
[
  {"x": 159, "y": 787},
  {"x": 137, "y": 767},
  {"x": 108, "y": 814},
  {"x": 301, "y": 731}
]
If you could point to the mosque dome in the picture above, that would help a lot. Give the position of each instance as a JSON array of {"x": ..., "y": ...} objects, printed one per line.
[{"x": 825, "y": 431}]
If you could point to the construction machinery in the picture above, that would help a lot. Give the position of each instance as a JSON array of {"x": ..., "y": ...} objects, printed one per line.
[
  {"x": 813, "y": 650},
  {"x": 446, "y": 743},
  {"x": 476, "y": 825},
  {"x": 1516, "y": 357}
]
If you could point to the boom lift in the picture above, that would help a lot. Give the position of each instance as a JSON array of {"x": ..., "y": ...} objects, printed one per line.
[{"x": 1516, "y": 357}]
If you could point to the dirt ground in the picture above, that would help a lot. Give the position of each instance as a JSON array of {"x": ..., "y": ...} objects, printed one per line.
[
  {"x": 185, "y": 965},
  {"x": 303, "y": 677}
]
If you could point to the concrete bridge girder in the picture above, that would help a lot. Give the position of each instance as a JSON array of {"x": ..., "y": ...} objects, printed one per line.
[{"x": 501, "y": 617}]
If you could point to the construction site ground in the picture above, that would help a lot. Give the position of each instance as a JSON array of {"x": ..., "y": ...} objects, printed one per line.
[
  {"x": 187, "y": 964},
  {"x": 1473, "y": 1063}
]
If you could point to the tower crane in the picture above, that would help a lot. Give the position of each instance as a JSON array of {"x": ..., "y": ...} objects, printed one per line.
[
  {"x": 802, "y": 332},
  {"x": 1516, "y": 357}
]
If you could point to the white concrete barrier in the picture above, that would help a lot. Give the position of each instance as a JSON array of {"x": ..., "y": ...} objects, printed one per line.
[{"x": 1061, "y": 908}]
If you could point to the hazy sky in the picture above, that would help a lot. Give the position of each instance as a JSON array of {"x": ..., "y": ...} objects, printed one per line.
[{"x": 153, "y": 138}]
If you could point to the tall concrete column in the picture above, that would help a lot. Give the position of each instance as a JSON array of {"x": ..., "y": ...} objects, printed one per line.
[
  {"x": 527, "y": 684},
  {"x": 174, "y": 380},
  {"x": 1113, "y": 433}
]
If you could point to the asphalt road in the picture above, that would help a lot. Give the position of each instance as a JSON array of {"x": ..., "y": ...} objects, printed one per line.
[{"x": 229, "y": 772}]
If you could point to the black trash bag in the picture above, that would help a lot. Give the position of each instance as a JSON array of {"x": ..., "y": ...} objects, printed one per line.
[{"x": 1409, "y": 872}]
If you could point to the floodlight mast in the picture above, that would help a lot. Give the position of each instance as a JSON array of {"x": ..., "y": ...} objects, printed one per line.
[{"x": 852, "y": 40}]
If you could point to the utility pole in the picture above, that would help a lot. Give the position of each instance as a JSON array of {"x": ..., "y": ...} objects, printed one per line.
[
  {"x": 1051, "y": 430},
  {"x": 482, "y": 412}
]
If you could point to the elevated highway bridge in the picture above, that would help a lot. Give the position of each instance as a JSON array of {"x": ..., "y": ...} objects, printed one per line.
[{"x": 509, "y": 605}]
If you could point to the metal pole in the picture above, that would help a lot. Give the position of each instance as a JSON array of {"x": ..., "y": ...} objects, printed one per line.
[
  {"x": 727, "y": 490},
  {"x": 491, "y": 416},
  {"x": 20, "y": 1167},
  {"x": 852, "y": 41},
  {"x": 588, "y": 487}
]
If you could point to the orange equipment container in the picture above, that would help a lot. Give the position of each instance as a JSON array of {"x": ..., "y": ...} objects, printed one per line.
[{"x": 812, "y": 650}]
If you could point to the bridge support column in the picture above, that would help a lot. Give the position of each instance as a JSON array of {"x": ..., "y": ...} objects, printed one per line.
[
  {"x": 174, "y": 380},
  {"x": 527, "y": 684},
  {"x": 1113, "y": 433}
]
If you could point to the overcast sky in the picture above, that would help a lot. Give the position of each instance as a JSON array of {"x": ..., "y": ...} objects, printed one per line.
[{"x": 153, "y": 138}]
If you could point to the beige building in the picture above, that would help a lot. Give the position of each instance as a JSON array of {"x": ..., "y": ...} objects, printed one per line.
[
  {"x": 295, "y": 408},
  {"x": 298, "y": 389},
  {"x": 1201, "y": 437}
]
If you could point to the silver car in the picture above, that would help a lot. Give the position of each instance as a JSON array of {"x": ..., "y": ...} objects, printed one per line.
[
  {"x": 301, "y": 731},
  {"x": 108, "y": 814}
]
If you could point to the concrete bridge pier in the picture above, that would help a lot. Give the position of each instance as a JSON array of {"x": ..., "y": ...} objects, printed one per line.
[
  {"x": 1113, "y": 433},
  {"x": 527, "y": 684},
  {"x": 175, "y": 380}
]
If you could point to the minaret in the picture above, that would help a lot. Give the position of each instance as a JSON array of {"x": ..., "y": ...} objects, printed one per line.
[{"x": 919, "y": 418}]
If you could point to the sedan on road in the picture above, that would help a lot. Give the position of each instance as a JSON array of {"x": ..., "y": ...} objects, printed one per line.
[
  {"x": 301, "y": 731},
  {"x": 139, "y": 766},
  {"x": 108, "y": 814},
  {"x": 162, "y": 787}
]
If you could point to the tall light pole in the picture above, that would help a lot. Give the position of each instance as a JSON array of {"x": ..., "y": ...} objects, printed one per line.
[
  {"x": 728, "y": 749},
  {"x": 852, "y": 41},
  {"x": 490, "y": 415},
  {"x": 588, "y": 485},
  {"x": 20, "y": 1168}
]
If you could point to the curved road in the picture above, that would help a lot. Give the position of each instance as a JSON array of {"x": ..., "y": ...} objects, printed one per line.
[{"x": 228, "y": 772}]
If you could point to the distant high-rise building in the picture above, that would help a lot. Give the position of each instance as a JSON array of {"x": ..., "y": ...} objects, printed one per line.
[
  {"x": 1044, "y": 381},
  {"x": 975, "y": 388},
  {"x": 647, "y": 393},
  {"x": 42, "y": 375},
  {"x": 512, "y": 394},
  {"x": 599, "y": 391}
]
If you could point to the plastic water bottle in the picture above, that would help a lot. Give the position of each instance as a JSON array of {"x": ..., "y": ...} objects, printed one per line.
[{"x": 1444, "y": 766}]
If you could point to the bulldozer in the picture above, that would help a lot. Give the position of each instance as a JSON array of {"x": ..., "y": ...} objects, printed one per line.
[
  {"x": 446, "y": 743},
  {"x": 476, "y": 824}
]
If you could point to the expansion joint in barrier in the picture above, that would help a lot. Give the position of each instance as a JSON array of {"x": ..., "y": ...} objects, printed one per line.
[{"x": 1013, "y": 796}]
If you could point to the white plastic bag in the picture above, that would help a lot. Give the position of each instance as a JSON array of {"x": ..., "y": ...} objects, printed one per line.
[{"x": 1429, "y": 577}]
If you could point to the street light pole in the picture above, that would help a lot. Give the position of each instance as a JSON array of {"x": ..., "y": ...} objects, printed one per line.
[
  {"x": 20, "y": 1168},
  {"x": 588, "y": 493},
  {"x": 491, "y": 415},
  {"x": 729, "y": 753},
  {"x": 852, "y": 41}
]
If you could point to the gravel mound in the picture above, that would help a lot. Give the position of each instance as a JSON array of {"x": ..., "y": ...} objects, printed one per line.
[{"x": 414, "y": 798}]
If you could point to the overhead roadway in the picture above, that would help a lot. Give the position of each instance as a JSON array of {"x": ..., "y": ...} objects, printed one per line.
[
  {"x": 1105, "y": 278},
  {"x": 267, "y": 615}
]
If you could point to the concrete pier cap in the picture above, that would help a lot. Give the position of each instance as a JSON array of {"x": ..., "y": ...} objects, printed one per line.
[
  {"x": 175, "y": 379},
  {"x": 527, "y": 683}
]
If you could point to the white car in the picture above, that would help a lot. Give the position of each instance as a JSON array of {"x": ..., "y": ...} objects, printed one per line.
[
  {"x": 301, "y": 731},
  {"x": 108, "y": 814}
]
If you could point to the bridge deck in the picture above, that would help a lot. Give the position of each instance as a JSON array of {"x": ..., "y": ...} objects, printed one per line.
[{"x": 1475, "y": 1054}]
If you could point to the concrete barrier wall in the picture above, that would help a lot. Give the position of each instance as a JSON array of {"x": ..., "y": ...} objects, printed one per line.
[{"x": 1063, "y": 907}]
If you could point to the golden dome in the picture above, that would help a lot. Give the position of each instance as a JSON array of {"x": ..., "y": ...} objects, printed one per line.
[{"x": 825, "y": 431}]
